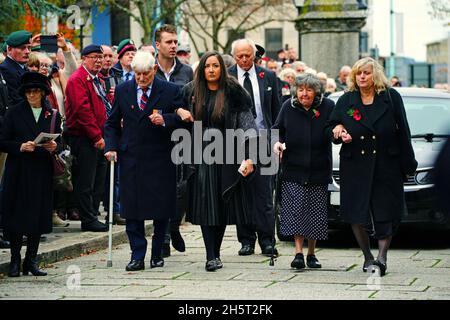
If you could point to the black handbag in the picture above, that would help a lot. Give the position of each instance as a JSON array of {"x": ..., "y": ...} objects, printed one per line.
[{"x": 62, "y": 164}]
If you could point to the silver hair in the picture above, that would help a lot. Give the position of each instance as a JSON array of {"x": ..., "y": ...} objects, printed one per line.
[
  {"x": 308, "y": 80},
  {"x": 345, "y": 68},
  {"x": 143, "y": 61},
  {"x": 228, "y": 60},
  {"x": 248, "y": 41}
]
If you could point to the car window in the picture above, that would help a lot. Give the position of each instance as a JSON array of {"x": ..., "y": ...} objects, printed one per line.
[{"x": 428, "y": 115}]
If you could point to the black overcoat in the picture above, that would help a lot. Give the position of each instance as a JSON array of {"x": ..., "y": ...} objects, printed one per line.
[
  {"x": 238, "y": 115},
  {"x": 370, "y": 167},
  {"x": 12, "y": 72},
  {"x": 307, "y": 159},
  {"x": 147, "y": 173},
  {"x": 27, "y": 197}
]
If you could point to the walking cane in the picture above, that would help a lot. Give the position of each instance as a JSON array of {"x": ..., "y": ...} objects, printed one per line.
[
  {"x": 111, "y": 197},
  {"x": 276, "y": 199}
]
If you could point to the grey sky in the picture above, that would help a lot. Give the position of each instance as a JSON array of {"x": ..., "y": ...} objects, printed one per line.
[{"x": 419, "y": 27}]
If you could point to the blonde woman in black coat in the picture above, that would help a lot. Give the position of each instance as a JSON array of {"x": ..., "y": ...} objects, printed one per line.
[
  {"x": 27, "y": 195},
  {"x": 376, "y": 154}
]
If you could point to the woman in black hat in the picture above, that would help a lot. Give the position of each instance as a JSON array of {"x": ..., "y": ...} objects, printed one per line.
[{"x": 27, "y": 196}]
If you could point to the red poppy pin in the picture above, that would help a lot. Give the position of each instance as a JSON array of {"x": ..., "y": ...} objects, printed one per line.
[
  {"x": 261, "y": 74},
  {"x": 316, "y": 113},
  {"x": 355, "y": 114},
  {"x": 46, "y": 114}
]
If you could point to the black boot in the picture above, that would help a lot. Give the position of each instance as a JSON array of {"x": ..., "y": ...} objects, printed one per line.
[
  {"x": 30, "y": 262},
  {"x": 16, "y": 245}
]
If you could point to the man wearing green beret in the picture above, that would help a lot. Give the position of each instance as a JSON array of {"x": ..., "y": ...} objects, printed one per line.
[
  {"x": 125, "y": 52},
  {"x": 18, "y": 48}
]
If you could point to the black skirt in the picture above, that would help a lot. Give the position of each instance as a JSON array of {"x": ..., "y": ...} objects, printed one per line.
[{"x": 206, "y": 204}]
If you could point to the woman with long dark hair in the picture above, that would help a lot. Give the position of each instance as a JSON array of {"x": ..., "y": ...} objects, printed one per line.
[{"x": 216, "y": 189}]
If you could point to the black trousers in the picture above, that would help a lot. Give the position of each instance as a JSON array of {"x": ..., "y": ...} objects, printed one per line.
[
  {"x": 16, "y": 240},
  {"x": 213, "y": 237},
  {"x": 89, "y": 173},
  {"x": 64, "y": 200},
  {"x": 260, "y": 193},
  {"x": 174, "y": 224}
]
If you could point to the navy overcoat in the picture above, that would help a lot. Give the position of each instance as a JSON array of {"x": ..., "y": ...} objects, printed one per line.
[{"x": 147, "y": 173}]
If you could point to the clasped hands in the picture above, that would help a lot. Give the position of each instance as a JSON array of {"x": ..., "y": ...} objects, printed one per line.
[{"x": 340, "y": 132}]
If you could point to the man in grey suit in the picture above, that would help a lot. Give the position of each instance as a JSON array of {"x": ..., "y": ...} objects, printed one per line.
[{"x": 262, "y": 86}]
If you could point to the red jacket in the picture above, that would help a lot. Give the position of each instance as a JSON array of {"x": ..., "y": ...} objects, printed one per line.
[{"x": 85, "y": 111}]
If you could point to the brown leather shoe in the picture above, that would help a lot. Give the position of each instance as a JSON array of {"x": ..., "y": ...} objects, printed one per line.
[
  {"x": 116, "y": 219},
  {"x": 73, "y": 214}
]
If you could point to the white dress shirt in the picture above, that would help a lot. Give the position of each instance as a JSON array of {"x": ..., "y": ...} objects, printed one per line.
[{"x": 256, "y": 97}]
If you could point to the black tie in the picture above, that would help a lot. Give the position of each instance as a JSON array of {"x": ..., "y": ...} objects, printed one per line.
[{"x": 248, "y": 86}]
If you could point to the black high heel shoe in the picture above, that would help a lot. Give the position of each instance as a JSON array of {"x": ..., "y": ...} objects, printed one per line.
[
  {"x": 367, "y": 264},
  {"x": 382, "y": 266}
]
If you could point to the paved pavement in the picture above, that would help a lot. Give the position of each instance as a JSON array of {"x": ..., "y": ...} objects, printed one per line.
[{"x": 412, "y": 274}]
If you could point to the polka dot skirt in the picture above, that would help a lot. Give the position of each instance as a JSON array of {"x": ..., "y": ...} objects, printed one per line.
[{"x": 304, "y": 210}]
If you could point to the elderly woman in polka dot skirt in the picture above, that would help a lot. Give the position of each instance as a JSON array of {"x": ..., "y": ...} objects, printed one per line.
[{"x": 306, "y": 166}]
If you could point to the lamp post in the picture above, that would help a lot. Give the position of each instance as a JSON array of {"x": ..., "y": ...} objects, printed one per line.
[
  {"x": 392, "y": 57},
  {"x": 81, "y": 22}
]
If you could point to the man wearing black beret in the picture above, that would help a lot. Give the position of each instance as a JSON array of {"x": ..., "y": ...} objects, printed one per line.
[
  {"x": 87, "y": 106},
  {"x": 18, "y": 50}
]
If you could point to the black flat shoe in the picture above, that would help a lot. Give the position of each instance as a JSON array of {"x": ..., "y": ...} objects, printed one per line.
[
  {"x": 246, "y": 250},
  {"x": 135, "y": 265},
  {"x": 298, "y": 262},
  {"x": 211, "y": 265},
  {"x": 367, "y": 265},
  {"x": 156, "y": 262},
  {"x": 312, "y": 262},
  {"x": 95, "y": 226},
  {"x": 177, "y": 241},
  {"x": 268, "y": 250},
  {"x": 219, "y": 263},
  {"x": 14, "y": 268},
  {"x": 382, "y": 267},
  {"x": 31, "y": 266}
]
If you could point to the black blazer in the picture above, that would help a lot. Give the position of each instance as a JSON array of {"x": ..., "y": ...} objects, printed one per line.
[
  {"x": 307, "y": 158},
  {"x": 268, "y": 93},
  {"x": 370, "y": 167},
  {"x": 12, "y": 72}
]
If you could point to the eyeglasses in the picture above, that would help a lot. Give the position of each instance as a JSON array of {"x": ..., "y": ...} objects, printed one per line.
[
  {"x": 44, "y": 65},
  {"x": 96, "y": 58}
]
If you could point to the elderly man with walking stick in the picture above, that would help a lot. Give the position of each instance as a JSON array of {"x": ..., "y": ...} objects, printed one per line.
[{"x": 146, "y": 107}]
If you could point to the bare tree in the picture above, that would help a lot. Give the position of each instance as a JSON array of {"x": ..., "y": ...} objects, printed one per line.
[
  {"x": 440, "y": 9},
  {"x": 205, "y": 20},
  {"x": 147, "y": 13}
]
